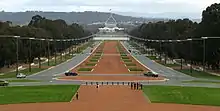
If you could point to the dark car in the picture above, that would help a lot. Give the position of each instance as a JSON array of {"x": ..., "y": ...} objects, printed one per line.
[
  {"x": 150, "y": 74},
  {"x": 71, "y": 74},
  {"x": 4, "y": 83}
]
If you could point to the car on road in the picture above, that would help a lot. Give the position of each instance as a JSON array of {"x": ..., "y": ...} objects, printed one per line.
[
  {"x": 21, "y": 75},
  {"x": 4, "y": 83},
  {"x": 70, "y": 73},
  {"x": 150, "y": 74}
]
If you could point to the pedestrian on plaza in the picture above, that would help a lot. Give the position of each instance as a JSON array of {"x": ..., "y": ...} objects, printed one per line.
[
  {"x": 97, "y": 87},
  {"x": 131, "y": 85},
  {"x": 77, "y": 95},
  {"x": 137, "y": 86},
  {"x": 141, "y": 86},
  {"x": 134, "y": 86}
]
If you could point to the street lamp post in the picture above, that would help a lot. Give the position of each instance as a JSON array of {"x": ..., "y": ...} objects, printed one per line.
[
  {"x": 55, "y": 48},
  {"x": 41, "y": 40},
  {"x": 17, "y": 54},
  {"x": 48, "y": 53},
  {"x": 204, "y": 52},
  {"x": 190, "y": 54},
  {"x": 30, "y": 54}
]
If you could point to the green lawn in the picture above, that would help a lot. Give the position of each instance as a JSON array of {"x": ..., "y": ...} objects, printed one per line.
[
  {"x": 25, "y": 71},
  {"x": 32, "y": 94},
  {"x": 198, "y": 74},
  {"x": 183, "y": 95},
  {"x": 58, "y": 60},
  {"x": 201, "y": 81},
  {"x": 23, "y": 80},
  {"x": 85, "y": 69}
]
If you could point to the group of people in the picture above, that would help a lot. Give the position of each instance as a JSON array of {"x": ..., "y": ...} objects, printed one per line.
[{"x": 136, "y": 86}]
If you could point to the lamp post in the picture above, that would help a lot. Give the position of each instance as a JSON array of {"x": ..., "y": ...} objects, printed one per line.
[
  {"x": 30, "y": 54},
  {"x": 17, "y": 53},
  {"x": 190, "y": 54},
  {"x": 204, "y": 52},
  {"x": 48, "y": 52},
  {"x": 39, "y": 62}
]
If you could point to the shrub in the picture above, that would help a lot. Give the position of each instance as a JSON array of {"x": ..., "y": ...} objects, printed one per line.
[
  {"x": 93, "y": 60},
  {"x": 85, "y": 69},
  {"x": 126, "y": 60},
  {"x": 90, "y": 64},
  {"x": 135, "y": 69},
  {"x": 130, "y": 64},
  {"x": 124, "y": 57}
]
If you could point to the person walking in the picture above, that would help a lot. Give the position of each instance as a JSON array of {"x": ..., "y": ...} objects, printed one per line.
[
  {"x": 77, "y": 95},
  {"x": 137, "y": 86},
  {"x": 97, "y": 87},
  {"x": 131, "y": 85},
  {"x": 141, "y": 86},
  {"x": 134, "y": 86}
]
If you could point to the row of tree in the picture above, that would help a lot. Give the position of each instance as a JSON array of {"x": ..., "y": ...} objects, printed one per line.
[
  {"x": 185, "y": 29},
  {"x": 39, "y": 27}
]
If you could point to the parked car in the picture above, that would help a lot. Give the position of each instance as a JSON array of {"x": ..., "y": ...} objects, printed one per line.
[
  {"x": 4, "y": 83},
  {"x": 151, "y": 74},
  {"x": 71, "y": 74},
  {"x": 21, "y": 75}
]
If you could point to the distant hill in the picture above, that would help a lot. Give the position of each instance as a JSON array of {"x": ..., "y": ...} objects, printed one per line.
[{"x": 88, "y": 17}]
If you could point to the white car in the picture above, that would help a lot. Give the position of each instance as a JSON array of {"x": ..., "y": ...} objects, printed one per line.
[{"x": 21, "y": 75}]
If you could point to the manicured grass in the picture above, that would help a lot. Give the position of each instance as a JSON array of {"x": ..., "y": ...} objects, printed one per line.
[
  {"x": 33, "y": 94},
  {"x": 183, "y": 95},
  {"x": 25, "y": 71},
  {"x": 200, "y": 81},
  {"x": 135, "y": 69},
  {"x": 85, "y": 69},
  {"x": 90, "y": 64},
  {"x": 130, "y": 64},
  {"x": 23, "y": 80},
  {"x": 94, "y": 60},
  {"x": 98, "y": 52},
  {"x": 152, "y": 57},
  {"x": 124, "y": 57},
  {"x": 127, "y": 61},
  {"x": 198, "y": 74}
]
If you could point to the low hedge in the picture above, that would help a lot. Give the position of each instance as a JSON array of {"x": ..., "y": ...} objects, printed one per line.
[
  {"x": 90, "y": 64},
  {"x": 130, "y": 64},
  {"x": 85, "y": 69},
  {"x": 125, "y": 58},
  {"x": 124, "y": 55},
  {"x": 136, "y": 69},
  {"x": 94, "y": 60}
]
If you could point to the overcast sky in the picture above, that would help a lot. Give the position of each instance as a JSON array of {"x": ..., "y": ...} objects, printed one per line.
[{"x": 137, "y": 6}]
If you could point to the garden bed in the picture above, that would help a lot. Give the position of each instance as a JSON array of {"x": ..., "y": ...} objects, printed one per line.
[
  {"x": 130, "y": 64},
  {"x": 127, "y": 60},
  {"x": 135, "y": 69},
  {"x": 93, "y": 60},
  {"x": 90, "y": 64},
  {"x": 85, "y": 69}
]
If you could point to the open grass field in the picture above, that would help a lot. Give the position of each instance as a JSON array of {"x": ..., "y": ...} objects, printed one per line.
[
  {"x": 25, "y": 71},
  {"x": 201, "y": 81},
  {"x": 183, "y": 95},
  {"x": 32, "y": 94},
  {"x": 199, "y": 74},
  {"x": 23, "y": 80}
]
